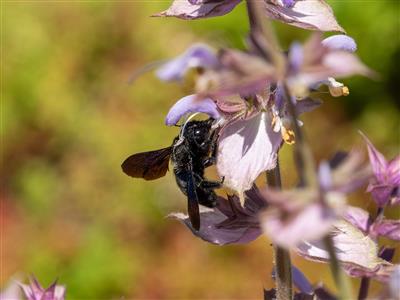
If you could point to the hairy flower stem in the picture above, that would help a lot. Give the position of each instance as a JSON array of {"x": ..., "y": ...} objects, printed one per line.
[
  {"x": 262, "y": 37},
  {"x": 283, "y": 266},
  {"x": 264, "y": 43}
]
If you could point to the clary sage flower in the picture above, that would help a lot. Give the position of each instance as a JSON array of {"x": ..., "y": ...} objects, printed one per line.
[
  {"x": 229, "y": 222},
  {"x": 307, "y": 14},
  {"x": 249, "y": 97},
  {"x": 385, "y": 185},
  {"x": 308, "y": 214},
  {"x": 33, "y": 291}
]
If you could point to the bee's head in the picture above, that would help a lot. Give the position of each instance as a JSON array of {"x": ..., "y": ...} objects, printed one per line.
[{"x": 197, "y": 132}]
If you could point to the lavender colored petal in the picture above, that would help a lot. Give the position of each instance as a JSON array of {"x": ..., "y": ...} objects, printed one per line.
[
  {"x": 301, "y": 281},
  {"x": 192, "y": 9},
  {"x": 307, "y": 14},
  {"x": 219, "y": 235},
  {"x": 191, "y": 104},
  {"x": 393, "y": 171},
  {"x": 307, "y": 105},
  {"x": 198, "y": 55},
  {"x": 296, "y": 57},
  {"x": 54, "y": 292},
  {"x": 336, "y": 64},
  {"x": 35, "y": 291},
  {"x": 394, "y": 286},
  {"x": 343, "y": 64},
  {"x": 311, "y": 223},
  {"x": 288, "y": 3},
  {"x": 340, "y": 42},
  {"x": 351, "y": 173},
  {"x": 377, "y": 160},
  {"x": 229, "y": 222},
  {"x": 381, "y": 193},
  {"x": 358, "y": 217},
  {"x": 247, "y": 148},
  {"x": 387, "y": 228},
  {"x": 238, "y": 73},
  {"x": 325, "y": 176}
]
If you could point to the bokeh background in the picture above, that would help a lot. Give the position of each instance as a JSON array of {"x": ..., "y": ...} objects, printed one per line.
[{"x": 69, "y": 118}]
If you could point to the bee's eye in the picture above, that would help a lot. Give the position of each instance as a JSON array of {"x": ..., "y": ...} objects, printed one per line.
[{"x": 197, "y": 132}]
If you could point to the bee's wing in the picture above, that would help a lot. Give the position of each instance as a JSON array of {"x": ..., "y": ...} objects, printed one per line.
[
  {"x": 193, "y": 202},
  {"x": 148, "y": 165}
]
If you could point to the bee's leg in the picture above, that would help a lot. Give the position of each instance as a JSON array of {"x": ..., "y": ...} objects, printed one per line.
[
  {"x": 209, "y": 161},
  {"x": 207, "y": 197},
  {"x": 193, "y": 201},
  {"x": 214, "y": 148},
  {"x": 210, "y": 185}
]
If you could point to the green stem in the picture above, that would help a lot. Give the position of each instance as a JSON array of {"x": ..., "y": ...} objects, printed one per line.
[
  {"x": 341, "y": 280},
  {"x": 283, "y": 266}
]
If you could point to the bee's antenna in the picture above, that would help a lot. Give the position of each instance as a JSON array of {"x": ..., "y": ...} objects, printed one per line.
[{"x": 183, "y": 126}]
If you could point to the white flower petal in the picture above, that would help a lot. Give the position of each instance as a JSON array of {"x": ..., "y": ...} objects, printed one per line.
[
  {"x": 353, "y": 248},
  {"x": 307, "y": 14},
  {"x": 246, "y": 148}
]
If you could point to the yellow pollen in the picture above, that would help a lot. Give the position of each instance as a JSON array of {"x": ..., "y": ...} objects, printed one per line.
[
  {"x": 345, "y": 91},
  {"x": 288, "y": 136}
]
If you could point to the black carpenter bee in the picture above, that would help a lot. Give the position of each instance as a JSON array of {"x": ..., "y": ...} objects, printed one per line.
[{"x": 191, "y": 152}]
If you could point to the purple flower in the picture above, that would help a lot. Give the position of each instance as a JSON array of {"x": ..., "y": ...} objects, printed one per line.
[
  {"x": 385, "y": 186},
  {"x": 34, "y": 291},
  {"x": 293, "y": 217},
  {"x": 237, "y": 72},
  {"x": 299, "y": 215},
  {"x": 307, "y": 14},
  {"x": 195, "y": 9},
  {"x": 253, "y": 140},
  {"x": 387, "y": 228},
  {"x": 196, "y": 56},
  {"x": 320, "y": 61},
  {"x": 229, "y": 222},
  {"x": 379, "y": 227},
  {"x": 190, "y": 104},
  {"x": 340, "y": 42},
  {"x": 357, "y": 252}
]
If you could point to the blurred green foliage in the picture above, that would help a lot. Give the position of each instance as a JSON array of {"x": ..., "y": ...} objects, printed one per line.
[{"x": 69, "y": 118}]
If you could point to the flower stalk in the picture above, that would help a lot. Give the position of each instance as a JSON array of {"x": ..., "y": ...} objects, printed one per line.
[{"x": 283, "y": 266}]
